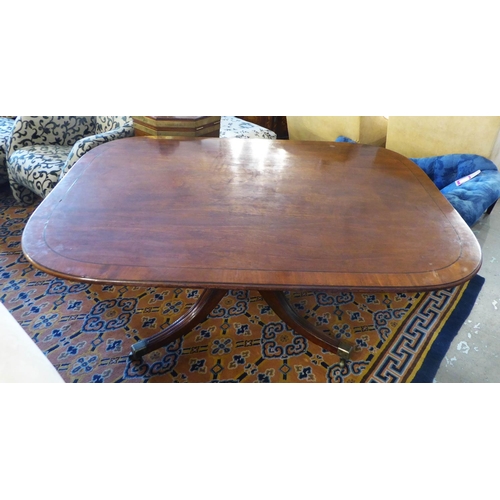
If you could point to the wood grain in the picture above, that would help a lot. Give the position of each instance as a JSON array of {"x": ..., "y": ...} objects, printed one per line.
[{"x": 251, "y": 214}]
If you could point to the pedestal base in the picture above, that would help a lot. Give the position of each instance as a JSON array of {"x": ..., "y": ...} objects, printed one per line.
[{"x": 207, "y": 302}]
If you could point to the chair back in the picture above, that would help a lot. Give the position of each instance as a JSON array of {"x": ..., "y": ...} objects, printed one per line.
[
  {"x": 108, "y": 123},
  {"x": 53, "y": 130}
]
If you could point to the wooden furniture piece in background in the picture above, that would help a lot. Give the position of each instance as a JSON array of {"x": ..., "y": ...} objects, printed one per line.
[
  {"x": 272, "y": 216},
  {"x": 186, "y": 126},
  {"x": 200, "y": 126}
]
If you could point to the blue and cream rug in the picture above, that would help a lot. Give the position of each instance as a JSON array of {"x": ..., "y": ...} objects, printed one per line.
[{"x": 86, "y": 330}]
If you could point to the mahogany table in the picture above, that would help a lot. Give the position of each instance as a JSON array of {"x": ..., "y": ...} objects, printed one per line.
[{"x": 274, "y": 216}]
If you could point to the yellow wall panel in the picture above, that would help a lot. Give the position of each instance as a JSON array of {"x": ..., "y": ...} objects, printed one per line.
[
  {"x": 373, "y": 130},
  {"x": 420, "y": 136},
  {"x": 364, "y": 129}
]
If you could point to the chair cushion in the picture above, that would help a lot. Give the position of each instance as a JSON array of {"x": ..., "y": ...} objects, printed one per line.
[
  {"x": 446, "y": 169},
  {"x": 475, "y": 196},
  {"x": 37, "y": 167}
]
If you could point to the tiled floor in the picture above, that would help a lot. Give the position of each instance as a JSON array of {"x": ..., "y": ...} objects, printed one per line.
[{"x": 474, "y": 355}]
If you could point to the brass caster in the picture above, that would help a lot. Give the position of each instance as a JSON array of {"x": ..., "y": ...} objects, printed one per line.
[{"x": 137, "y": 350}]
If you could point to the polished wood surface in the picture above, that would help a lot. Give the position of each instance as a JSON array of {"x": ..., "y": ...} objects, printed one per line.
[{"x": 265, "y": 215}]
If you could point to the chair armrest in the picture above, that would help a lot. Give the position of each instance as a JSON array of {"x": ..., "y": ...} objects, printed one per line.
[
  {"x": 6, "y": 126},
  {"x": 87, "y": 143},
  {"x": 18, "y": 136}
]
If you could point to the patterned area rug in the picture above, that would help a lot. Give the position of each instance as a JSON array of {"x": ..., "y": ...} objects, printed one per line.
[{"x": 86, "y": 330}]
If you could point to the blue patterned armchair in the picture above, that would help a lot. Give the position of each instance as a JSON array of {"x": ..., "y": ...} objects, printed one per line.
[
  {"x": 473, "y": 198},
  {"x": 43, "y": 148},
  {"x": 6, "y": 126}
]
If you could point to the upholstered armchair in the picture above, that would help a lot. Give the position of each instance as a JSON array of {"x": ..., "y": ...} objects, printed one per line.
[
  {"x": 233, "y": 127},
  {"x": 43, "y": 148},
  {"x": 472, "y": 198},
  {"x": 6, "y": 126}
]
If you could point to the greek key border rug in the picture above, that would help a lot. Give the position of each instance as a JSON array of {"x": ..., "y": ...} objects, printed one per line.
[{"x": 86, "y": 330}]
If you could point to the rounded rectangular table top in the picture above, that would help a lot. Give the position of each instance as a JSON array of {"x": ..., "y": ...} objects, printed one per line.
[{"x": 250, "y": 213}]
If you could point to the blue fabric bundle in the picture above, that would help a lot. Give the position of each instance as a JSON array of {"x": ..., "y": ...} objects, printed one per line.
[
  {"x": 343, "y": 138},
  {"x": 475, "y": 196},
  {"x": 472, "y": 198}
]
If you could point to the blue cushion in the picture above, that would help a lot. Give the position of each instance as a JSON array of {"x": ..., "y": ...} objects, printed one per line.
[
  {"x": 472, "y": 198},
  {"x": 343, "y": 138},
  {"x": 445, "y": 170}
]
